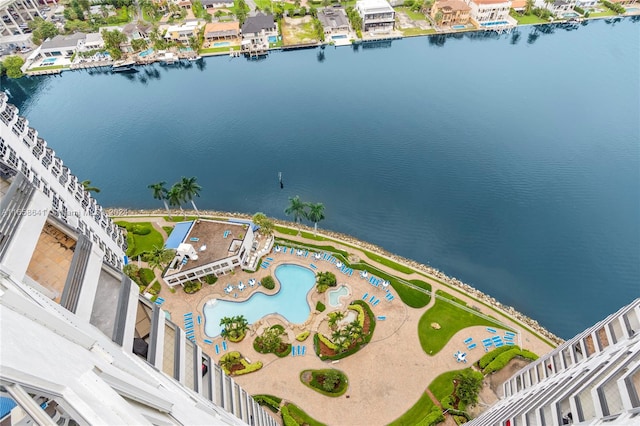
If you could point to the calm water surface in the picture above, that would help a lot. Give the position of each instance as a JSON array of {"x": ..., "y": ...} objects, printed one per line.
[{"x": 510, "y": 162}]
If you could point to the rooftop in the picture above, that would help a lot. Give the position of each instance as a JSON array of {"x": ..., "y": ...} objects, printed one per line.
[
  {"x": 374, "y": 6},
  {"x": 333, "y": 17},
  {"x": 257, "y": 23},
  {"x": 491, "y": 1},
  {"x": 220, "y": 27},
  {"x": 218, "y": 244},
  {"x": 63, "y": 41},
  {"x": 454, "y": 5}
]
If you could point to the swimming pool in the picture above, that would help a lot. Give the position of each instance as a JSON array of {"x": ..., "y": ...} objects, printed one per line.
[
  {"x": 570, "y": 15},
  {"x": 458, "y": 27},
  {"x": 495, "y": 23},
  {"x": 632, "y": 9},
  {"x": 334, "y": 295},
  {"x": 48, "y": 61},
  {"x": 290, "y": 302},
  {"x": 337, "y": 37},
  {"x": 221, "y": 44},
  {"x": 146, "y": 53},
  {"x": 273, "y": 39}
]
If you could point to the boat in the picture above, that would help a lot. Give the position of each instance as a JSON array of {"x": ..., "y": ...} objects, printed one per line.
[
  {"x": 195, "y": 58},
  {"x": 129, "y": 69}
]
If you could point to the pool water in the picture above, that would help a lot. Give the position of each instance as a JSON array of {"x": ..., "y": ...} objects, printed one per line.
[
  {"x": 633, "y": 9},
  {"x": 491, "y": 24},
  {"x": 458, "y": 27},
  {"x": 146, "y": 53},
  {"x": 273, "y": 39},
  {"x": 334, "y": 295},
  {"x": 336, "y": 37},
  {"x": 221, "y": 44},
  {"x": 48, "y": 61},
  {"x": 290, "y": 302},
  {"x": 570, "y": 15}
]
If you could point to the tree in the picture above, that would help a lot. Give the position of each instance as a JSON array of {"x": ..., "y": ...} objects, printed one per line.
[
  {"x": 529, "y": 7},
  {"x": 439, "y": 17},
  {"x": 160, "y": 193},
  {"x": 86, "y": 184},
  {"x": 138, "y": 44},
  {"x": 296, "y": 209},
  {"x": 334, "y": 318},
  {"x": 12, "y": 65},
  {"x": 271, "y": 339},
  {"x": 331, "y": 380},
  {"x": 159, "y": 257},
  {"x": 265, "y": 224},
  {"x": 174, "y": 197},
  {"x": 469, "y": 385},
  {"x": 234, "y": 328},
  {"x": 112, "y": 41},
  {"x": 189, "y": 189},
  {"x": 42, "y": 30},
  {"x": 315, "y": 214}
]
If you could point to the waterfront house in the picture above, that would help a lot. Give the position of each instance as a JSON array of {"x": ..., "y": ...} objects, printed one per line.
[
  {"x": 334, "y": 20},
  {"x": 136, "y": 31},
  {"x": 184, "y": 4},
  {"x": 558, "y": 7},
  {"x": 377, "y": 15},
  {"x": 181, "y": 33},
  {"x": 256, "y": 31},
  {"x": 586, "y": 3},
  {"x": 491, "y": 14},
  {"x": 450, "y": 12},
  {"x": 92, "y": 41},
  {"x": 217, "y": 4},
  {"x": 62, "y": 45},
  {"x": 519, "y": 5},
  {"x": 220, "y": 31}
]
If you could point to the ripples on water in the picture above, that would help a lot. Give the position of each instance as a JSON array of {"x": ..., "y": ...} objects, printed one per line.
[{"x": 510, "y": 162}]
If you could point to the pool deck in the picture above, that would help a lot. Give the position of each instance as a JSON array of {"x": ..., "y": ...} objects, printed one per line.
[{"x": 385, "y": 378}]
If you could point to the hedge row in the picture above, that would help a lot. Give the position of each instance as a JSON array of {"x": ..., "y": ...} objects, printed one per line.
[
  {"x": 360, "y": 312},
  {"x": 504, "y": 358},
  {"x": 326, "y": 341},
  {"x": 302, "y": 336},
  {"x": 490, "y": 356},
  {"x": 579, "y": 10},
  {"x": 432, "y": 419},
  {"x": 287, "y": 418},
  {"x": 615, "y": 7},
  {"x": 268, "y": 401}
]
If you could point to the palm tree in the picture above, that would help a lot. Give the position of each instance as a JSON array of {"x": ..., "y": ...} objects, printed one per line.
[
  {"x": 189, "y": 189},
  {"x": 86, "y": 184},
  {"x": 315, "y": 215},
  {"x": 174, "y": 197},
  {"x": 159, "y": 257},
  {"x": 334, "y": 318},
  {"x": 160, "y": 193},
  {"x": 296, "y": 209},
  {"x": 265, "y": 224},
  {"x": 529, "y": 5}
]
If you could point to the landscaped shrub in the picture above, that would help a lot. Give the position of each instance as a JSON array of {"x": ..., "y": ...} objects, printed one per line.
[
  {"x": 615, "y": 7},
  {"x": 146, "y": 276},
  {"x": 329, "y": 382},
  {"x": 154, "y": 298},
  {"x": 579, "y": 10},
  {"x": 268, "y": 282},
  {"x": 324, "y": 280},
  {"x": 191, "y": 287},
  {"x": 326, "y": 341},
  {"x": 433, "y": 418},
  {"x": 270, "y": 341},
  {"x": 490, "y": 356},
  {"x": 139, "y": 229},
  {"x": 249, "y": 368},
  {"x": 542, "y": 13},
  {"x": 320, "y": 307},
  {"x": 286, "y": 417},
  {"x": 268, "y": 401},
  {"x": 360, "y": 312},
  {"x": 155, "y": 288},
  {"x": 210, "y": 279},
  {"x": 232, "y": 359},
  {"x": 302, "y": 336},
  {"x": 503, "y": 359}
]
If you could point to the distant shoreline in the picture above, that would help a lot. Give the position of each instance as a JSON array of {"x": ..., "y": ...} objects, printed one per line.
[{"x": 436, "y": 274}]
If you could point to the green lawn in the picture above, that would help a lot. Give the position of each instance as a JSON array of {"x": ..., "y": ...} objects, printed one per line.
[
  {"x": 408, "y": 32},
  {"x": 54, "y": 67},
  {"x": 416, "y": 16},
  {"x": 416, "y": 413},
  {"x": 224, "y": 49},
  {"x": 607, "y": 12},
  {"x": 451, "y": 319},
  {"x": 301, "y": 417},
  {"x": 141, "y": 237},
  {"x": 527, "y": 19},
  {"x": 263, "y": 4}
]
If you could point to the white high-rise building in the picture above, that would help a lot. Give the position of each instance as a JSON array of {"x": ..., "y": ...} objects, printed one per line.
[
  {"x": 78, "y": 345},
  {"x": 592, "y": 379}
]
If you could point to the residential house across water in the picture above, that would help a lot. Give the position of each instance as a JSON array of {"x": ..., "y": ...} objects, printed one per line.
[
  {"x": 452, "y": 12},
  {"x": 257, "y": 32},
  {"x": 334, "y": 21},
  {"x": 377, "y": 15}
]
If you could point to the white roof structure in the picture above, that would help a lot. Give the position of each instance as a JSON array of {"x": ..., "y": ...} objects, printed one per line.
[{"x": 374, "y": 6}]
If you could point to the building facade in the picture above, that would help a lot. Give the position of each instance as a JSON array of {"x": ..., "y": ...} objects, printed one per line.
[
  {"x": 592, "y": 379},
  {"x": 257, "y": 31},
  {"x": 79, "y": 344},
  {"x": 377, "y": 15},
  {"x": 450, "y": 12}
]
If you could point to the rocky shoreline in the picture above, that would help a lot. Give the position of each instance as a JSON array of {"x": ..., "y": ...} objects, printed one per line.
[{"x": 452, "y": 281}]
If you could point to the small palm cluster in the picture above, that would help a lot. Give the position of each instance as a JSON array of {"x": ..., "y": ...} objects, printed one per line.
[
  {"x": 313, "y": 212},
  {"x": 234, "y": 328},
  {"x": 324, "y": 280},
  {"x": 180, "y": 192},
  {"x": 344, "y": 337}
]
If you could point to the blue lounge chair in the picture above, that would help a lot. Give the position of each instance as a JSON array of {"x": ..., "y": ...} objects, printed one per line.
[
  {"x": 293, "y": 350},
  {"x": 207, "y": 341},
  {"x": 194, "y": 239},
  {"x": 304, "y": 350},
  {"x": 364, "y": 296},
  {"x": 510, "y": 343},
  {"x": 298, "y": 349},
  {"x": 371, "y": 300},
  {"x": 217, "y": 349},
  {"x": 382, "y": 317},
  {"x": 376, "y": 302},
  {"x": 313, "y": 266},
  {"x": 471, "y": 346},
  {"x": 188, "y": 314},
  {"x": 270, "y": 259},
  {"x": 468, "y": 340},
  {"x": 491, "y": 330},
  {"x": 224, "y": 345},
  {"x": 199, "y": 320},
  {"x": 499, "y": 344}
]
